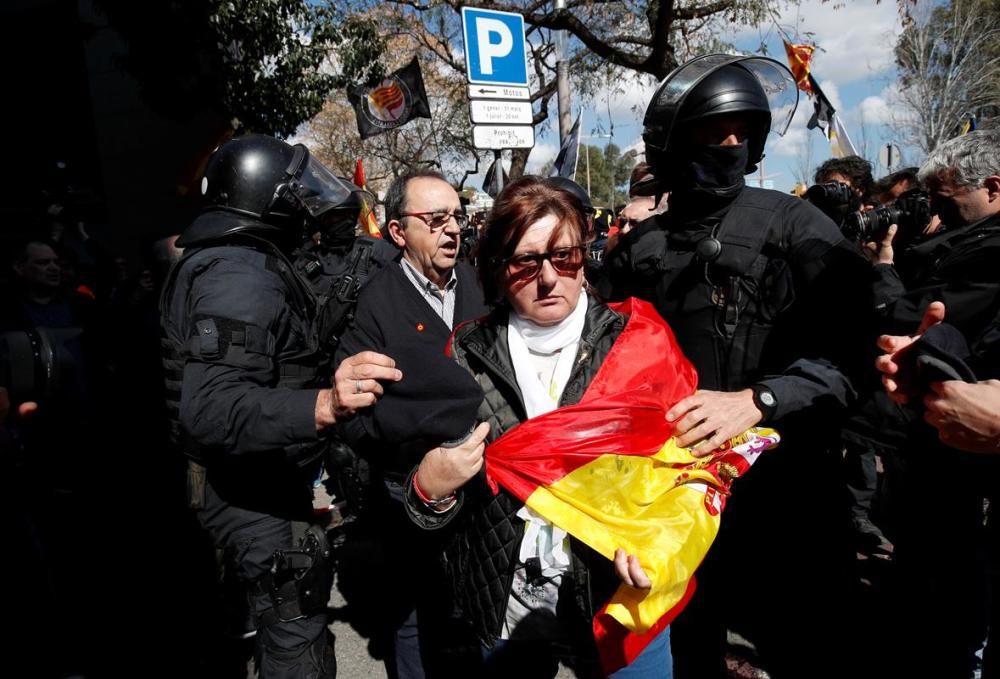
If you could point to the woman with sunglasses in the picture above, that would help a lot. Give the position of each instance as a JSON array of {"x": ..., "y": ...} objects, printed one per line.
[{"x": 529, "y": 590}]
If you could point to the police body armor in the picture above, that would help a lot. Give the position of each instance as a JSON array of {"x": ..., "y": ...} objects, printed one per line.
[
  {"x": 336, "y": 278},
  {"x": 306, "y": 367},
  {"x": 743, "y": 284}
]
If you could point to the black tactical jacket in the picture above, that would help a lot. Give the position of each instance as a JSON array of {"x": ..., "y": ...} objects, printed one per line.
[
  {"x": 241, "y": 351},
  {"x": 785, "y": 304}
]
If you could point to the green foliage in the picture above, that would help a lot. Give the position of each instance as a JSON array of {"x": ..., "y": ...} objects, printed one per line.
[
  {"x": 264, "y": 63},
  {"x": 609, "y": 171}
]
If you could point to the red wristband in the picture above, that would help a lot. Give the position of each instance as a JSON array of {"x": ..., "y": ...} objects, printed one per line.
[{"x": 433, "y": 504}]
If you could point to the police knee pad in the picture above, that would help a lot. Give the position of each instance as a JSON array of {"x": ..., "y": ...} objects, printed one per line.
[{"x": 299, "y": 580}]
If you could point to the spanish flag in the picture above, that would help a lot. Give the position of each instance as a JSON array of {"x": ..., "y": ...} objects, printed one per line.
[
  {"x": 799, "y": 57},
  {"x": 608, "y": 472},
  {"x": 369, "y": 225}
]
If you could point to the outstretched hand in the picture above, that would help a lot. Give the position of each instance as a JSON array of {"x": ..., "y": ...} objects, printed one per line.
[{"x": 897, "y": 382}]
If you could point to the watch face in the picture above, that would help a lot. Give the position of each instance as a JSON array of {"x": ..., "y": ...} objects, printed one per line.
[{"x": 767, "y": 398}]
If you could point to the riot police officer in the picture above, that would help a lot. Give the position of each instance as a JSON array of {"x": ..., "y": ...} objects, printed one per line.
[
  {"x": 747, "y": 279},
  {"x": 246, "y": 380},
  {"x": 336, "y": 263}
]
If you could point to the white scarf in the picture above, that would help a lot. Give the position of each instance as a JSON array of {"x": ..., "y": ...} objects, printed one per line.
[
  {"x": 542, "y": 539},
  {"x": 524, "y": 336}
]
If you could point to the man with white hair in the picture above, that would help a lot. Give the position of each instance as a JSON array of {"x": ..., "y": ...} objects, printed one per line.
[{"x": 935, "y": 496}]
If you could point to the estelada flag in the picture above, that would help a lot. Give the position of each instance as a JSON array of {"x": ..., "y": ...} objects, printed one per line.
[
  {"x": 608, "y": 472},
  {"x": 823, "y": 110},
  {"x": 392, "y": 103},
  {"x": 799, "y": 57},
  {"x": 367, "y": 215}
]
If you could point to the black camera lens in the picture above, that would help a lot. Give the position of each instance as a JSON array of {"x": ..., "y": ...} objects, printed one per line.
[
  {"x": 830, "y": 193},
  {"x": 871, "y": 225},
  {"x": 911, "y": 213}
]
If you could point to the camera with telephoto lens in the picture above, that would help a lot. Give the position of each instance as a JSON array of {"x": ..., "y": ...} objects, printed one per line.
[
  {"x": 830, "y": 193},
  {"x": 911, "y": 213},
  {"x": 834, "y": 199}
]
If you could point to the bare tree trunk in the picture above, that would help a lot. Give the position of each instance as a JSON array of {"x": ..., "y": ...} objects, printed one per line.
[{"x": 518, "y": 161}]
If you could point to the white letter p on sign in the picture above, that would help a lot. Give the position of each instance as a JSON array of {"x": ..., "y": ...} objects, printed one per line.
[{"x": 488, "y": 50}]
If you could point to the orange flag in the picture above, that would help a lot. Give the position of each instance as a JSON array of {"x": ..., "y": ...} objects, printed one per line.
[
  {"x": 799, "y": 57},
  {"x": 608, "y": 471},
  {"x": 367, "y": 216}
]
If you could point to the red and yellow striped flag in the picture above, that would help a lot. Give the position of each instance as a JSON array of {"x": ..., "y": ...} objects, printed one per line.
[
  {"x": 367, "y": 215},
  {"x": 608, "y": 472},
  {"x": 799, "y": 57}
]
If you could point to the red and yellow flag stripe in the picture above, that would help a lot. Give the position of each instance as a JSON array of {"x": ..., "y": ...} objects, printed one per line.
[{"x": 608, "y": 471}]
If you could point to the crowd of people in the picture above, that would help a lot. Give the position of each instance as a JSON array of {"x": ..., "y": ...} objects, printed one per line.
[{"x": 275, "y": 349}]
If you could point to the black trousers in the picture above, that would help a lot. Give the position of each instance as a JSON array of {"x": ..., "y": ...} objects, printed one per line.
[{"x": 250, "y": 507}]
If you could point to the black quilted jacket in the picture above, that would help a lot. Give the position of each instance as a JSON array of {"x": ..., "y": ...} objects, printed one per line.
[{"x": 485, "y": 531}]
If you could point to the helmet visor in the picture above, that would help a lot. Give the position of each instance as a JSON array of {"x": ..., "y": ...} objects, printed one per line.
[
  {"x": 319, "y": 190},
  {"x": 775, "y": 79},
  {"x": 779, "y": 86},
  {"x": 680, "y": 82}
]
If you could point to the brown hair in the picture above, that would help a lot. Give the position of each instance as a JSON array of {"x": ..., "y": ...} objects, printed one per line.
[{"x": 522, "y": 203}]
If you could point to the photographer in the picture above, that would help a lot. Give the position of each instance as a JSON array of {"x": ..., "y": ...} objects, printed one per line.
[
  {"x": 843, "y": 192},
  {"x": 939, "y": 543},
  {"x": 843, "y": 187}
]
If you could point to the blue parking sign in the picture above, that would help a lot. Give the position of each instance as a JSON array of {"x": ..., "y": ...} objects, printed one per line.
[{"x": 494, "y": 47}]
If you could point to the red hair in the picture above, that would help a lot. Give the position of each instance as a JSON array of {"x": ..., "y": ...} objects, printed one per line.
[{"x": 522, "y": 203}]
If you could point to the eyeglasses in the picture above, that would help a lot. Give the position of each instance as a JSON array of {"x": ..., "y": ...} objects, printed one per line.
[
  {"x": 622, "y": 222},
  {"x": 566, "y": 261},
  {"x": 438, "y": 219}
]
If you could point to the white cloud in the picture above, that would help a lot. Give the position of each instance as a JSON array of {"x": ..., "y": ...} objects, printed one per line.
[
  {"x": 855, "y": 37},
  {"x": 541, "y": 154},
  {"x": 874, "y": 111}
]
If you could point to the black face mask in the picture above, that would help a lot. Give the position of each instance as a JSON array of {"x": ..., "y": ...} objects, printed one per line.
[
  {"x": 336, "y": 230},
  {"x": 713, "y": 169}
]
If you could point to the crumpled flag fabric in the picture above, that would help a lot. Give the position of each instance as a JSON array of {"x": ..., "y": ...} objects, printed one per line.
[{"x": 608, "y": 471}]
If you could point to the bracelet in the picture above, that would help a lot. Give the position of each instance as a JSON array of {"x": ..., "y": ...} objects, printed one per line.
[{"x": 442, "y": 505}]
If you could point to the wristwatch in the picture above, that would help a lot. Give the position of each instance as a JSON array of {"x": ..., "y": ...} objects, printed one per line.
[{"x": 764, "y": 399}]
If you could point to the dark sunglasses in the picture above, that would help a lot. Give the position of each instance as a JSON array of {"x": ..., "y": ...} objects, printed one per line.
[{"x": 566, "y": 261}]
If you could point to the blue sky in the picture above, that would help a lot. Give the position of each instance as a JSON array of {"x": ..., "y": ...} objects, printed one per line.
[{"x": 853, "y": 64}]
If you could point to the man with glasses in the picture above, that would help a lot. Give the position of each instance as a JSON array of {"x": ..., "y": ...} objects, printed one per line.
[{"x": 414, "y": 304}]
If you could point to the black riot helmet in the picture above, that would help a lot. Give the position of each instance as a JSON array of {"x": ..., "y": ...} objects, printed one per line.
[
  {"x": 760, "y": 88},
  {"x": 339, "y": 225},
  {"x": 284, "y": 191}
]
